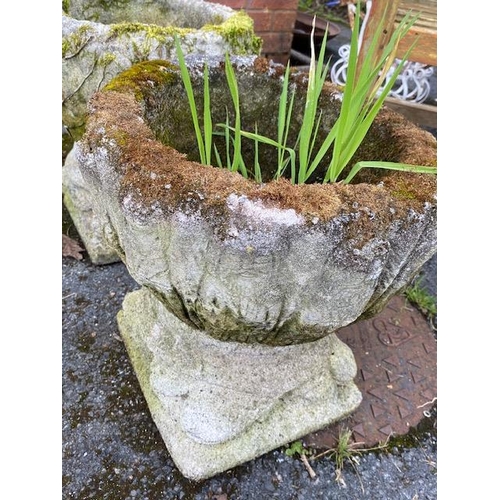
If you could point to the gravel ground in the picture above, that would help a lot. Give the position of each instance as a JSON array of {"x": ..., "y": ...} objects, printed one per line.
[{"x": 112, "y": 449}]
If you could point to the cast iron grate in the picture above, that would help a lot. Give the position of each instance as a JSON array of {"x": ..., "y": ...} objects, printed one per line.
[{"x": 396, "y": 354}]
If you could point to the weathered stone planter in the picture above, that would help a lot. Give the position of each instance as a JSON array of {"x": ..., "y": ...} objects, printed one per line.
[
  {"x": 102, "y": 38},
  {"x": 232, "y": 335}
]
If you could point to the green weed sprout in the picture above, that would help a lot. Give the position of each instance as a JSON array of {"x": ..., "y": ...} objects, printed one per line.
[
  {"x": 418, "y": 295},
  {"x": 362, "y": 99}
]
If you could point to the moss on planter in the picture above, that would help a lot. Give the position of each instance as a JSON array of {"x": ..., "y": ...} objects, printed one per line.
[
  {"x": 74, "y": 42},
  {"x": 238, "y": 32},
  {"x": 106, "y": 59},
  {"x": 136, "y": 78},
  {"x": 152, "y": 31}
]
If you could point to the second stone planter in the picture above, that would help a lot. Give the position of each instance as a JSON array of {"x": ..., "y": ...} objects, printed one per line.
[{"x": 102, "y": 38}]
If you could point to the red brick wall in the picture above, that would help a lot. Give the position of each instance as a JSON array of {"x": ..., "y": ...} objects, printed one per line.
[{"x": 274, "y": 21}]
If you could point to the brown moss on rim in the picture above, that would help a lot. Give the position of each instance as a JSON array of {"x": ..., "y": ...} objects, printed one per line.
[{"x": 159, "y": 174}]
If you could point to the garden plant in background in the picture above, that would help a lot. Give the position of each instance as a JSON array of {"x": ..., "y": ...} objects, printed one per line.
[{"x": 362, "y": 99}]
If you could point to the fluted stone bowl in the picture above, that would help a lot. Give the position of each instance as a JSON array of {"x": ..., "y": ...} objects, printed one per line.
[{"x": 270, "y": 263}]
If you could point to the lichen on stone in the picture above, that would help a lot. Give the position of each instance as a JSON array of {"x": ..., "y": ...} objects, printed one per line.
[{"x": 75, "y": 41}]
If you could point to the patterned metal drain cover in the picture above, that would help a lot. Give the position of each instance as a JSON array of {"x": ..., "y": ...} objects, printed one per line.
[{"x": 396, "y": 356}]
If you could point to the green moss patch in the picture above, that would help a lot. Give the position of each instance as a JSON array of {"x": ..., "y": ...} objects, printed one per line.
[
  {"x": 139, "y": 77},
  {"x": 238, "y": 32},
  {"x": 74, "y": 42},
  {"x": 160, "y": 33}
]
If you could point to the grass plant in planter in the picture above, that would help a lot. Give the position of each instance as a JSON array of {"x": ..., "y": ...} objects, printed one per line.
[{"x": 244, "y": 283}]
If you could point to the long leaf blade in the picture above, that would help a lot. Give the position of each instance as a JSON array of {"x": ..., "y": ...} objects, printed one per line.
[
  {"x": 418, "y": 169},
  {"x": 192, "y": 105}
]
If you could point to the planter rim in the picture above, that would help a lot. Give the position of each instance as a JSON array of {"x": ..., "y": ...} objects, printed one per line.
[{"x": 117, "y": 113}]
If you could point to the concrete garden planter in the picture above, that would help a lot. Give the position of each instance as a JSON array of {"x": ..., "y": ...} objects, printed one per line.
[
  {"x": 232, "y": 335},
  {"x": 102, "y": 38}
]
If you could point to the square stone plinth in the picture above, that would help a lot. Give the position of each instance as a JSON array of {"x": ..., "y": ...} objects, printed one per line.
[{"x": 219, "y": 404}]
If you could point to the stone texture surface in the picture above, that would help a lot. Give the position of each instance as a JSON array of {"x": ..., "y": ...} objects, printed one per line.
[
  {"x": 233, "y": 294},
  {"x": 88, "y": 220},
  {"x": 218, "y": 404},
  {"x": 97, "y": 46}
]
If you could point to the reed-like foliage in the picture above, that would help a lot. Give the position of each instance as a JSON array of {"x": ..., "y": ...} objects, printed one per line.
[{"x": 367, "y": 86}]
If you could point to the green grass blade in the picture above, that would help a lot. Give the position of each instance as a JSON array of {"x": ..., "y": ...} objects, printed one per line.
[
  {"x": 321, "y": 77},
  {"x": 263, "y": 139},
  {"x": 310, "y": 170},
  {"x": 309, "y": 112},
  {"x": 237, "y": 163},
  {"x": 283, "y": 164},
  {"x": 207, "y": 116},
  {"x": 228, "y": 142},
  {"x": 192, "y": 105},
  {"x": 324, "y": 148},
  {"x": 362, "y": 128},
  {"x": 256, "y": 165},
  {"x": 217, "y": 157},
  {"x": 254, "y": 136},
  {"x": 283, "y": 122},
  {"x": 289, "y": 117},
  {"x": 322, "y": 69},
  {"x": 418, "y": 169},
  {"x": 333, "y": 169},
  {"x": 317, "y": 76}
]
